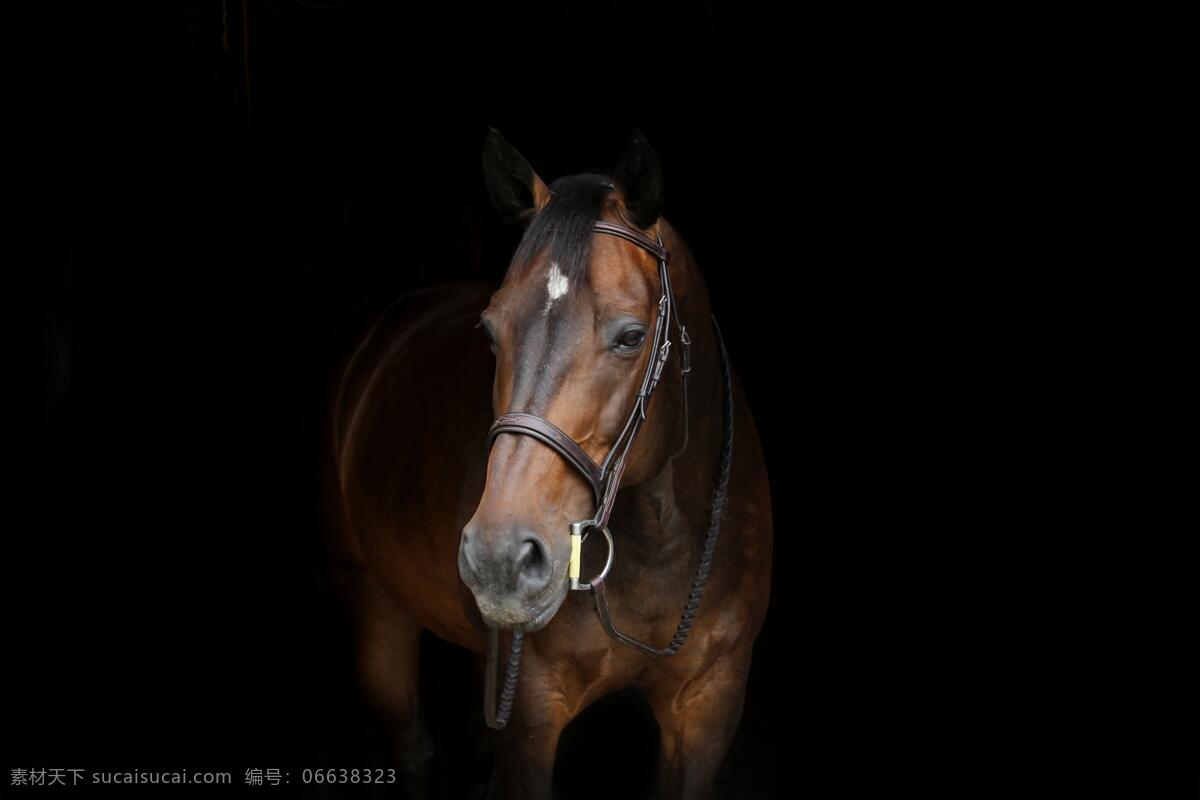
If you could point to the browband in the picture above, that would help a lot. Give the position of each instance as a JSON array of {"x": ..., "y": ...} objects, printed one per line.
[{"x": 655, "y": 248}]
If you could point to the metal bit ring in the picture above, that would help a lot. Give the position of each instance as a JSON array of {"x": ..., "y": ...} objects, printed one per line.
[{"x": 577, "y": 529}]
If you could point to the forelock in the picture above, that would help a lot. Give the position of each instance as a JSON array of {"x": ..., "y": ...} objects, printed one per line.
[{"x": 563, "y": 229}]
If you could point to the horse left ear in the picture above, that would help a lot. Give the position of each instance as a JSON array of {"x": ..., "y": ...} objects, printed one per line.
[
  {"x": 517, "y": 191},
  {"x": 639, "y": 181}
]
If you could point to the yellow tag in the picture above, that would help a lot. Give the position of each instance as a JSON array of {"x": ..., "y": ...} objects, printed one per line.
[{"x": 573, "y": 567}]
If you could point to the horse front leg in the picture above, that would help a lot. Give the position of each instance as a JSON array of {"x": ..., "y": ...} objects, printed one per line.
[
  {"x": 526, "y": 748},
  {"x": 697, "y": 717},
  {"x": 387, "y": 659}
]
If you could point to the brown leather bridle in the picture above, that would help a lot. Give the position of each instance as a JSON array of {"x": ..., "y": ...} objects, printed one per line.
[{"x": 605, "y": 479}]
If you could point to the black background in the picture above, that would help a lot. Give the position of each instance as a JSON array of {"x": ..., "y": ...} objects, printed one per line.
[{"x": 228, "y": 191}]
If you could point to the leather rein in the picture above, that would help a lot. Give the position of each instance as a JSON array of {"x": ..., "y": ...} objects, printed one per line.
[{"x": 605, "y": 479}]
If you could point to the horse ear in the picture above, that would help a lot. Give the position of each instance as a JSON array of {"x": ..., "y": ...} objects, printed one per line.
[
  {"x": 639, "y": 180},
  {"x": 516, "y": 190}
]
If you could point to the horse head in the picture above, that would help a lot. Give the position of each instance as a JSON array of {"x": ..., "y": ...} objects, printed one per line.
[{"x": 573, "y": 329}]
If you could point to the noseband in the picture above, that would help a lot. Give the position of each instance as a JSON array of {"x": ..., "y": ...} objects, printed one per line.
[{"x": 605, "y": 479}]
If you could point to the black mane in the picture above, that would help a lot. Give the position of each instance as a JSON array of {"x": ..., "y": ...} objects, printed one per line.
[{"x": 564, "y": 226}]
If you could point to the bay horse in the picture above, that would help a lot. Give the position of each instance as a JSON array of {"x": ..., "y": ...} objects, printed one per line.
[{"x": 443, "y": 517}]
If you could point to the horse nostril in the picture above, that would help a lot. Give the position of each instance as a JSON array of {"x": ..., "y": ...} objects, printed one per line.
[
  {"x": 532, "y": 564},
  {"x": 466, "y": 560},
  {"x": 531, "y": 556}
]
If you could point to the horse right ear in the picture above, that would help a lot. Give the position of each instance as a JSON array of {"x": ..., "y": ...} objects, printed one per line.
[{"x": 516, "y": 190}]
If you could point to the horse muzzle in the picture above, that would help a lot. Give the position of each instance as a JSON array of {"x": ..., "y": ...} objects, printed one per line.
[{"x": 516, "y": 580}]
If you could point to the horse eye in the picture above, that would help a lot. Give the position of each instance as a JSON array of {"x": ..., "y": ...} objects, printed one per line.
[{"x": 631, "y": 339}]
